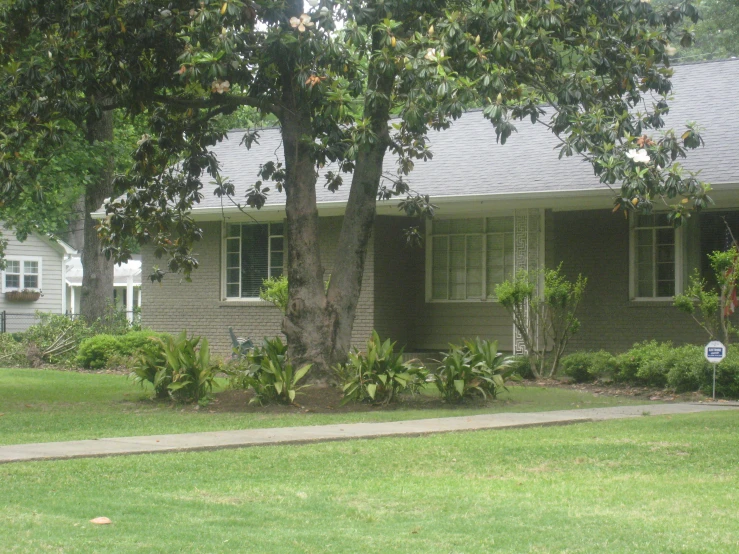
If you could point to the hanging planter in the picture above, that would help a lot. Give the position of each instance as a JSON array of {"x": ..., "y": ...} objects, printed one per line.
[{"x": 22, "y": 295}]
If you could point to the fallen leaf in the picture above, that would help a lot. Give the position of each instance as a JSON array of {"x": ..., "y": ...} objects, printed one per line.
[{"x": 101, "y": 521}]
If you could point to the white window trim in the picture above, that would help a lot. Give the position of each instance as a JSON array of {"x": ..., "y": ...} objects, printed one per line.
[
  {"x": 224, "y": 258},
  {"x": 679, "y": 258},
  {"x": 22, "y": 259},
  {"x": 429, "y": 261}
]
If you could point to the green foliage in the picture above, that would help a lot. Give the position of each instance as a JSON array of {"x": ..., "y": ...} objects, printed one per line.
[
  {"x": 268, "y": 371},
  {"x": 379, "y": 375},
  {"x": 274, "y": 291},
  {"x": 546, "y": 320},
  {"x": 178, "y": 367},
  {"x": 96, "y": 352},
  {"x": 655, "y": 364},
  {"x": 716, "y": 34},
  {"x": 708, "y": 307},
  {"x": 151, "y": 367},
  {"x": 476, "y": 367},
  {"x": 585, "y": 367}
]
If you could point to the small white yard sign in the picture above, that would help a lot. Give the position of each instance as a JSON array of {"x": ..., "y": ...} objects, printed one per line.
[{"x": 715, "y": 352}]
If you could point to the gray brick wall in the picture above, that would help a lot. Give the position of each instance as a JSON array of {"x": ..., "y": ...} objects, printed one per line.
[
  {"x": 596, "y": 244},
  {"x": 197, "y": 306},
  {"x": 395, "y": 292}
]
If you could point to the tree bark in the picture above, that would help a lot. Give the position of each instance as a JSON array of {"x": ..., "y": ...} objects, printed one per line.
[
  {"x": 97, "y": 271},
  {"x": 318, "y": 323},
  {"x": 76, "y": 229}
]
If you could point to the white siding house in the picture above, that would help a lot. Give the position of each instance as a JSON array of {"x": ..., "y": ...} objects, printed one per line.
[{"x": 37, "y": 265}]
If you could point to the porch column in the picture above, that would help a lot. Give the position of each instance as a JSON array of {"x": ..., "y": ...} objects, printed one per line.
[
  {"x": 71, "y": 299},
  {"x": 129, "y": 298},
  {"x": 526, "y": 255}
]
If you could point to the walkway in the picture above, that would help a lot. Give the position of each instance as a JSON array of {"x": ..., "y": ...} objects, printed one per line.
[{"x": 299, "y": 435}]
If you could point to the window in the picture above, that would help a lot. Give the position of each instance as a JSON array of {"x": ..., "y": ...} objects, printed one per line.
[
  {"x": 469, "y": 257},
  {"x": 654, "y": 257},
  {"x": 254, "y": 252},
  {"x": 22, "y": 273}
]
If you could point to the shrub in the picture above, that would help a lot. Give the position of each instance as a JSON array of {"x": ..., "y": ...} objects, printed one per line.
[
  {"x": 379, "y": 375},
  {"x": 151, "y": 367},
  {"x": 95, "y": 351},
  {"x": 727, "y": 377},
  {"x": 521, "y": 366},
  {"x": 269, "y": 373},
  {"x": 585, "y": 367},
  {"x": 98, "y": 351},
  {"x": 476, "y": 367},
  {"x": 630, "y": 362},
  {"x": 274, "y": 291},
  {"x": 178, "y": 367},
  {"x": 686, "y": 370},
  {"x": 550, "y": 316}
]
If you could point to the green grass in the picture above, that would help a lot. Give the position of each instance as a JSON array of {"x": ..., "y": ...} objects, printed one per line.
[
  {"x": 648, "y": 485},
  {"x": 45, "y": 405}
]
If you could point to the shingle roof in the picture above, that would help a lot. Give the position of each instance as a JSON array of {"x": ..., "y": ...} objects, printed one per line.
[{"x": 469, "y": 162}]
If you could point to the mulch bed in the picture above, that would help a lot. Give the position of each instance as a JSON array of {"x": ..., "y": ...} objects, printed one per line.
[{"x": 324, "y": 399}]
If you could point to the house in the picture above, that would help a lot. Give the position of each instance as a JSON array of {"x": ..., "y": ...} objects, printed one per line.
[
  {"x": 44, "y": 274},
  {"x": 33, "y": 279},
  {"x": 126, "y": 286},
  {"x": 501, "y": 208}
]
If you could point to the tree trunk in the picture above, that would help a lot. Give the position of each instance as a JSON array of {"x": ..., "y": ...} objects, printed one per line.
[
  {"x": 97, "y": 272},
  {"x": 76, "y": 229},
  {"x": 318, "y": 323}
]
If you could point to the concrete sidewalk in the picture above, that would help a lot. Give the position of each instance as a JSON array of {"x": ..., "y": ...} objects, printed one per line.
[{"x": 299, "y": 435}]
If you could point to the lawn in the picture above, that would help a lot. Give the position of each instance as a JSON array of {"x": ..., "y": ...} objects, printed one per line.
[
  {"x": 46, "y": 405},
  {"x": 648, "y": 485}
]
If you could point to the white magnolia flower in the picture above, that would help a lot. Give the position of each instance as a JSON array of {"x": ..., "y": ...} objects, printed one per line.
[
  {"x": 639, "y": 156},
  {"x": 670, "y": 50},
  {"x": 219, "y": 87},
  {"x": 431, "y": 54},
  {"x": 313, "y": 3},
  {"x": 301, "y": 23},
  {"x": 143, "y": 139}
]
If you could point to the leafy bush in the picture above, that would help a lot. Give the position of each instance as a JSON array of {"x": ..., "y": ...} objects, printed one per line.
[
  {"x": 178, "y": 367},
  {"x": 95, "y": 351},
  {"x": 269, "y": 373},
  {"x": 710, "y": 307},
  {"x": 379, "y": 375},
  {"x": 476, "y": 367},
  {"x": 151, "y": 367},
  {"x": 550, "y": 316},
  {"x": 98, "y": 351},
  {"x": 585, "y": 367},
  {"x": 654, "y": 364},
  {"x": 521, "y": 366},
  {"x": 274, "y": 290}
]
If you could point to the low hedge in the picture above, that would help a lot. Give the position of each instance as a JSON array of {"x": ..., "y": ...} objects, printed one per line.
[
  {"x": 655, "y": 364},
  {"x": 98, "y": 351}
]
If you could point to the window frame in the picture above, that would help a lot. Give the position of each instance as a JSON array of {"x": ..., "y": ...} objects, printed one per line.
[
  {"x": 224, "y": 258},
  {"x": 428, "y": 271},
  {"x": 21, "y": 260},
  {"x": 679, "y": 260}
]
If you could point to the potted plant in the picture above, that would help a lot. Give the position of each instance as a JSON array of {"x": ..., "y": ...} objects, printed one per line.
[{"x": 25, "y": 295}]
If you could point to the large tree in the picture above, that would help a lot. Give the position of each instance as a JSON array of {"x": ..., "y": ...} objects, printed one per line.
[
  {"x": 716, "y": 33},
  {"x": 596, "y": 73}
]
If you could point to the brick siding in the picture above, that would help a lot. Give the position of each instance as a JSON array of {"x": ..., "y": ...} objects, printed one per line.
[
  {"x": 197, "y": 306},
  {"x": 596, "y": 244}
]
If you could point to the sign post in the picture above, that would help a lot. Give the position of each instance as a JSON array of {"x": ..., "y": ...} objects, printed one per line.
[{"x": 715, "y": 352}]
